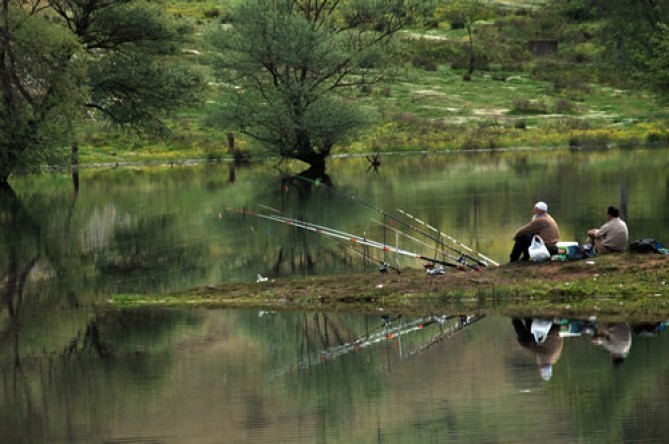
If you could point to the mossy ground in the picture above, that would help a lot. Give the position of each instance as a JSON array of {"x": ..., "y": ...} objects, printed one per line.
[{"x": 627, "y": 285}]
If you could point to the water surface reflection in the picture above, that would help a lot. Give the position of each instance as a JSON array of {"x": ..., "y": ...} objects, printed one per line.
[{"x": 240, "y": 376}]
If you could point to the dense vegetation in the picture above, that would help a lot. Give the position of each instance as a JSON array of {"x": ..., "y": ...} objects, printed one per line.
[{"x": 467, "y": 75}]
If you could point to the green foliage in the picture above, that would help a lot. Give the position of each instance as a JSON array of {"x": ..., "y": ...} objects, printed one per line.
[
  {"x": 294, "y": 68},
  {"x": 577, "y": 10},
  {"x": 117, "y": 59},
  {"x": 43, "y": 87},
  {"x": 525, "y": 106},
  {"x": 659, "y": 63},
  {"x": 143, "y": 40},
  {"x": 465, "y": 14}
]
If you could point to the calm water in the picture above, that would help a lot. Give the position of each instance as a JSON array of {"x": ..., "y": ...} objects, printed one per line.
[
  {"x": 237, "y": 376},
  {"x": 73, "y": 370}
]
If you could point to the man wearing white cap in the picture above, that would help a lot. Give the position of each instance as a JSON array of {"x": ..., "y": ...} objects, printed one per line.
[{"x": 542, "y": 224}]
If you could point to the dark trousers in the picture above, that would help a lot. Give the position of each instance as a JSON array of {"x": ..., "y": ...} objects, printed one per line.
[
  {"x": 522, "y": 248},
  {"x": 523, "y": 329}
]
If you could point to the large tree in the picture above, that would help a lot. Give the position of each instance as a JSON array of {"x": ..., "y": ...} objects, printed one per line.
[
  {"x": 119, "y": 60},
  {"x": 138, "y": 73},
  {"x": 290, "y": 66},
  {"x": 42, "y": 81}
]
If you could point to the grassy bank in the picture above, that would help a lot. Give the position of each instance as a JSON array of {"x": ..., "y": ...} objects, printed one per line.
[
  {"x": 574, "y": 98},
  {"x": 628, "y": 285}
]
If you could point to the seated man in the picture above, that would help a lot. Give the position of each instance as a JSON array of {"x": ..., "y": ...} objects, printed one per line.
[
  {"x": 543, "y": 225},
  {"x": 612, "y": 237}
]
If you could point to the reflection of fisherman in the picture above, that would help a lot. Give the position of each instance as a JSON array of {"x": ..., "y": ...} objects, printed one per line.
[
  {"x": 616, "y": 338},
  {"x": 543, "y": 338}
]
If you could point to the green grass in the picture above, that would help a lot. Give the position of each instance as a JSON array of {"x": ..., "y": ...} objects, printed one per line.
[
  {"x": 517, "y": 101},
  {"x": 615, "y": 285}
]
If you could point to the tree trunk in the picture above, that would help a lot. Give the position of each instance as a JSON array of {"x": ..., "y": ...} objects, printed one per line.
[
  {"x": 471, "y": 50},
  {"x": 316, "y": 161}
]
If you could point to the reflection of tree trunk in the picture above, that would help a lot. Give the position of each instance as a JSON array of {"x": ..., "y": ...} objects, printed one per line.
[
  {"x": 13, "y": 291},
  {"x": 279, "y": 261},
  {"x": 75, "y": 180},
  {"x": 477, "y": 211},
  {"x": 74, "y": 162},
  {"x": 624, "y": 195},
  {"x": 322, "y": 331},
  {"x": 231, "y": 173},
  {"x": 92, "y": 339},
  {"x": 21, "y": 381}
]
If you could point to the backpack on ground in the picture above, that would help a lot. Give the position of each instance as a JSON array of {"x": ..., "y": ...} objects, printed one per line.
[{"x": 648, "y": 245}]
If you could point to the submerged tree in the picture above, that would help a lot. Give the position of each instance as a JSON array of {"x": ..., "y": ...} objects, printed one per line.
[{"x": 293, "y": 65}]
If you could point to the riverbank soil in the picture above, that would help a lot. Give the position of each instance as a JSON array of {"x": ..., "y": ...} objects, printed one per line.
[{"x": 626, "y": 285}]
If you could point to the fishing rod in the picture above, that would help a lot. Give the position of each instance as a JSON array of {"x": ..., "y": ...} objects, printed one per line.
[
  {"x": 320, "y": 229},
  {"x": 342, "y": 235},
  {"x": 384, "y": 264},
  {"x": 406, "y": 224},
  {"x": 459, "y": 260},
  {"x": 446, "y": 236}
]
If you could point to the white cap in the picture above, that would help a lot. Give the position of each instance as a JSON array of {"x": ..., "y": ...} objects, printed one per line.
[
  {"x": 546, "y": 372},
  {"x": 541, "y": 206}
]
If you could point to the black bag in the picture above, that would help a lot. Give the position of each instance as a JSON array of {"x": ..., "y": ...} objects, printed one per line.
[
  {"x": 647, "y": 245},
  {"x": 588, "y": 250}
]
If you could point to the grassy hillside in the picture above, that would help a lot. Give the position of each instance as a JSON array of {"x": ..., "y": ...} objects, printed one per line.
[{"x": 576, "y": 97}]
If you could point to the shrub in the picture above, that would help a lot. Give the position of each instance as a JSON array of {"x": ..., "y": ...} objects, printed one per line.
[
  {"x": 526, "y": 106},
  {"x": 428, "y": 53},
  {"x": 431, "y": 22},
  {"x": 212, "y": 13},
  {"x": 457, "y": 24},
  {"x": 655, "y": 137},
  {"x": 424, "y": 63},
  {"x": 564, "y": 106}
]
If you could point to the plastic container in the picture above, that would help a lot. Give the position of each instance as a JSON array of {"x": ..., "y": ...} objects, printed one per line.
[{"x": 563, "y": 250}]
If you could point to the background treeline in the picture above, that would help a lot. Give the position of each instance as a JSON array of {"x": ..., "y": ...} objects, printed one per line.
[
  {"x": 466, "y": 75},
  {"x": 605, "y": 84}
]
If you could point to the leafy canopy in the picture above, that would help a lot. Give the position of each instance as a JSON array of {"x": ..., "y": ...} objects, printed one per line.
[
  {"x": 290, "y": 68},
  {"x": 119, "y": 59},
  {"x": 43, "y": 87}
]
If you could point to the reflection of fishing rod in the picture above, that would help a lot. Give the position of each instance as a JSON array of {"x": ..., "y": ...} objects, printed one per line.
[
  {"x": 387, "y": 334},
  {"x": 460, "y": 260},
  {"x": 343, "y": 235},
  {"x": 446, "y": 236},
  {"x": 383, "y": 332},
  {"x": 406, "y": 224},
  {"x": 446, "y": 334}
]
